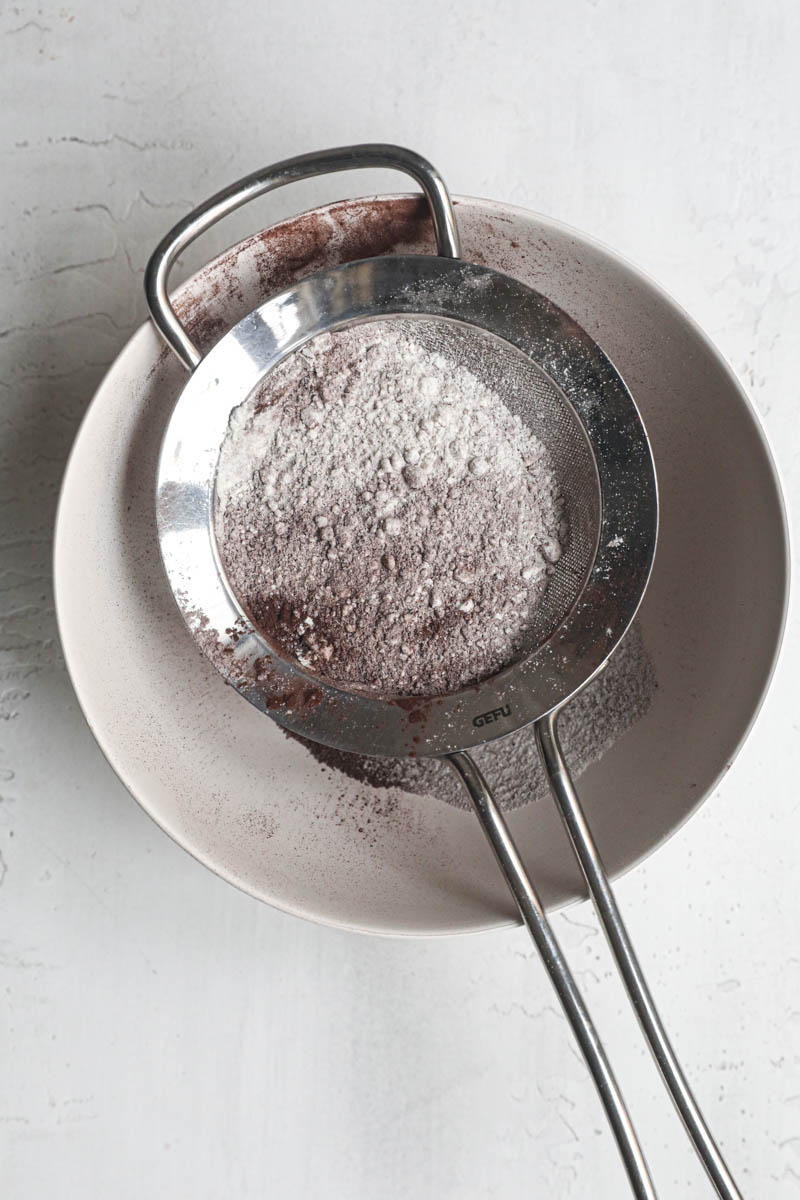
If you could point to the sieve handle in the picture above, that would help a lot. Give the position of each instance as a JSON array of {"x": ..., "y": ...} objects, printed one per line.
[
  {"x": 624, "y": 954},
  {"x": 533, "y": 915},
  {"x": 291, "y": 170}
]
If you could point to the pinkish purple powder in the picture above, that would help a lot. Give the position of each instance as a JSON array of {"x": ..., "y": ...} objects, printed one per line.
[{"x": 385, "y": 519}]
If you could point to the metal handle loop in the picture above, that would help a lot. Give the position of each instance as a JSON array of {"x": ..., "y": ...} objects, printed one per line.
[
  {"x": 291, "y": 170},
  {"x": 534, "y": 917},
  {"x": 591, "y": 864}
]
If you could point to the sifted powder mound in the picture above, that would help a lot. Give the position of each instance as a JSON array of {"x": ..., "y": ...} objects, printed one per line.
[
  {"x": 589, "y": 725},
  {"x": 383, "y": 516}
]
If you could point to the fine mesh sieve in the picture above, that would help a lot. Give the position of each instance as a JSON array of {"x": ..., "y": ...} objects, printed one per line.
[{"x": 551, "y": 373}]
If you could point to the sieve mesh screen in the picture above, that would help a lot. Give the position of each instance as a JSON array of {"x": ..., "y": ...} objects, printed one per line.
[
  {"x": 508, "y": 379},
  {"x": 531, "y": 395}
]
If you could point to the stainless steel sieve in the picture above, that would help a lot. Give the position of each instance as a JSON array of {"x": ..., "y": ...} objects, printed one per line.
[{"x": 562, "y": 384}]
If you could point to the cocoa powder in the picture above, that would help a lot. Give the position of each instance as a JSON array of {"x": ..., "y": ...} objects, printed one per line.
[{"x": 384, "y": 518}]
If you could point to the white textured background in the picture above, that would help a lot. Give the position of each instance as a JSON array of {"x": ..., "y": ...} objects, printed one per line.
[{"x": 163, "y": 1035}]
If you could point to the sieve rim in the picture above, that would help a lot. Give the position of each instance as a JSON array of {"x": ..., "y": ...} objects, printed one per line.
[{"x": 467, "y": 294}]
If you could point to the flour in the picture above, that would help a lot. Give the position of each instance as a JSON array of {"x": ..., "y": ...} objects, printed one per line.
[{"x": 384, "y": 518}]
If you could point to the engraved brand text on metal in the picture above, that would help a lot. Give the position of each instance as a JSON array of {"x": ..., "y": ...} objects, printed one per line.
[{"x": 495, "y": 715}]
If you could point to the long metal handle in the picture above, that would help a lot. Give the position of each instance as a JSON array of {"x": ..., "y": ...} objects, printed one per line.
[
  {"x": 533, "y": 915},
  {"x": 638, "y": 992},
  {"x": 304, "y": 166}
]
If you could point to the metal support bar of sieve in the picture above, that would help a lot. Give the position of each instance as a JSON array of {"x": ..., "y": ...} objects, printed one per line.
[
  {"x": 625, "y": 957},
  {"x": 533, "y": 915},
  {"x": 291, "y": 170}
]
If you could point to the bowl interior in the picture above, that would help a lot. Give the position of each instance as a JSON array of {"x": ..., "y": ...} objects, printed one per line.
[{"x": 227, "y": 784}]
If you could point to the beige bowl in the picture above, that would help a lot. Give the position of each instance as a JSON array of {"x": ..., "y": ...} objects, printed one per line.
[{"x": 224, "y": 781}]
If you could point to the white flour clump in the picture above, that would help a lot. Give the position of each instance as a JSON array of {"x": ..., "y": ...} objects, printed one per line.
[{"x": 385, "y": 519}]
